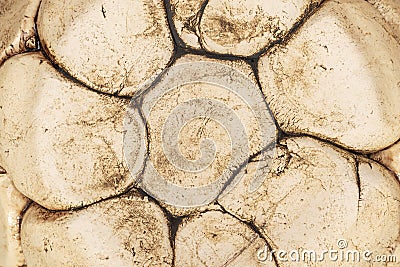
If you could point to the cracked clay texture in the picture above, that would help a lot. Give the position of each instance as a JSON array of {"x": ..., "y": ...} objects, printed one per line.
[{"x": 199, "y": 132}]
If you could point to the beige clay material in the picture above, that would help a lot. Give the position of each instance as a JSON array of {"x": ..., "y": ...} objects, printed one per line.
[
  {"x": 311, "y": 199},
  {"x": 17, "y": 31},
  {"x": 216, "y": 239},
  {"x": 244, "y": 28},
  {"x": 253, "y": 117},
  {"x": 125, "y": 231},
  {"x": 390, "y": 10},
  {"x": 186, "y": 16},
  {"x": 112, "y": 46},
  {"x": 378, "y": 218},
  {"x": 390, "y": 157},
  {"x": 12, "y": 205},
  {"x": 336, "y": 81},
  {"x": 60, "y": 143},
  {"x": 396, "y": 253}
]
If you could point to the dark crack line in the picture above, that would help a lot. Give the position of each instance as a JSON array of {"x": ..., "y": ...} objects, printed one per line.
[
  {"x": 173, "y": 221},
  {"x": 103, "y": 11},
  {"x": 255, "y": 229},
  {"x": 2, "y": 170},
  {"x": 244, "y": 164},
  {"x": 200, "y": 17},
  {"x": 326, "y": 141},
  {"x": 311, "y": 10},
  {"x": 240, "y": 252},
  {"x": 359, "y": 186},
  {"x": 177, "y": 39},
  {"x": 22, "y": 214},
  {"x": 254, "y": 65}
]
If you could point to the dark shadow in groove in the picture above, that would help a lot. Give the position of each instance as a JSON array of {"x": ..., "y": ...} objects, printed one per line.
[
  {"x": 177, "y": 39},
  {"x": 256, "y": 230},
  {"x": 2, "y": 170},
  {"x": 173, "y": 221},
  {"x": 21, "y": 215},
  {"x": 358, "y": 182}
]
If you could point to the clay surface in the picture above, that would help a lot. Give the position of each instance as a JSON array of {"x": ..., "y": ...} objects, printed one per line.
[
  {"x": 112, "y": 46},
  {"x": 17, "y": 31},
  {"x": 124, "y": 231},
  {"x": 12, "y": 205},
  {"x": 61, "y": 143},
  {"x": 336, "y": 81}
]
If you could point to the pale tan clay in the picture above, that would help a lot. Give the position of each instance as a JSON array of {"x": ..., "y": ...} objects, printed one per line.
[
  {"x": 311, "y": 199},
  {"x": 390, "y": 10},
  {"x": 12, "y": 204},
  {"x": 17, "y": 30},
  {"x": 112, "y": 46},
  {"x": 125, "y": 231},
  {"x": 243, "y": 28},
  {"x": 197, "y": 130},
  {"x": 186, "y": 16},
  {"x": 336, "y": 81},
  {"x": 330, "y": 71},
  {"x": 396, "y": 253},
  {"x": 389, "y": 157},
  {"x": 378, "y": 221},
  {"x": 60, "y": 143},
  {"x": 216, "y": 239}
]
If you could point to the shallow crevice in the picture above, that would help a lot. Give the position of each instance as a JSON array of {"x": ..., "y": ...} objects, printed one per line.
[
  {"x": 58, "y": 68},
  {"x": 358, "y": 182},
  {"x": 224, "y": 57},
  {"x": 173, "y": 221},
  {"x": 243, "y": 165},
  {"x": 321, "y": 139},
  {"x": 22, "y": 213},
  {"x": 200, "y": 17},
  {"x": 254, "y": 65},
  {"x": 2, "y": 170},
  {"x": 253, "y": 227},
  {"x": 169, "y": 10},
  {"x": 83, "y": 206},
  {"x": 69, "y": 77},
  {"x": 311, "y": 10}
]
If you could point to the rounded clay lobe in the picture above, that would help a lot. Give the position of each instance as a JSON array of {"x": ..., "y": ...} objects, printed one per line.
[
  {"x": 244, "y": 28},
  {"x": 125, "y": 231},
  {"x": 338, "y": 78},
  {"x": 60, "y": 143},
  {"x": 217, "y": 239},
  {"x": 115, "y": 47}
]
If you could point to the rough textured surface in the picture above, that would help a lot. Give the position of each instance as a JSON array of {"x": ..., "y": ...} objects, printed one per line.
[
  {"x": 186, "y": 16},
  {"x": 243, "y": 28},
  {"x": 125, "y": 231},
  {"x": 216, "y": 239},
  {"x": 390, "y": 158},
  {"x": 390, "y": 10},
  {"x": 311, "y": 177},
  {"x": 213, "y": 106},
  {"x": 17, "y": 31},
  {"x": 378, "y": 220},
  {"x": 112, "y": 46},
  {"x": 12, "y": 204},
  {"x": 333, "y": 74},
  {"x": 336, "y": 81},
  {"x": 61, "y": 143}
]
